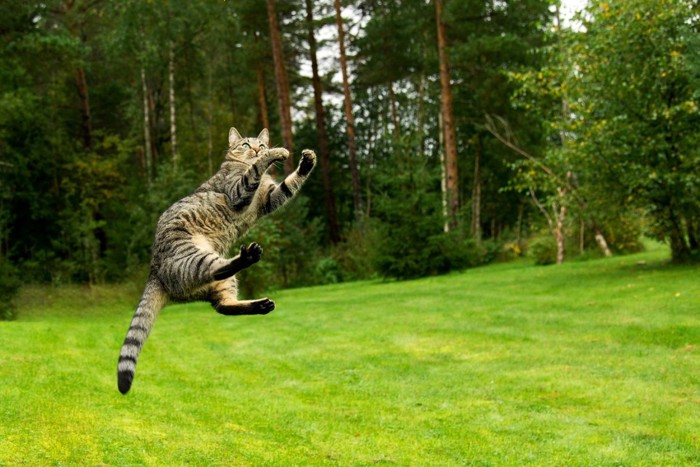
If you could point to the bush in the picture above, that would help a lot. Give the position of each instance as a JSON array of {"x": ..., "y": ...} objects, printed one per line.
[
  {"x": 9, "y": 285},
  {"x": 458, "y": 252},
  {"x": 328, "y": 271},
  {"x": 543, "y": 250}
]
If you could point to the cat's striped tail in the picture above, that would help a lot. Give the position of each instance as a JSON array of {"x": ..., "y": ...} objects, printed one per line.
[{"x": 153, "y": 299}]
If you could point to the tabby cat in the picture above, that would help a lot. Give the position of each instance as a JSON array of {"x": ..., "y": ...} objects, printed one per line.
[{"x": 194, "y": 235}]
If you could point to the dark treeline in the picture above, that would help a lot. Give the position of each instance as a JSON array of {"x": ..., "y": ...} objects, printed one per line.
[{"x": 450, "y": 132}]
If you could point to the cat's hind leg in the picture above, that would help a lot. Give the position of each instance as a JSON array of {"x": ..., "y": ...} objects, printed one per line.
[
  {"x": 224, "y": 299},
  {"x": 188, "y": 271},
  {"x": 261, "y": 306}
]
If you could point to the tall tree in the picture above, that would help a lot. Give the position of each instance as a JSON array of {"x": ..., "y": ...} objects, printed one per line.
[
  {"x": 262, "y": 90},
  {"x": 323, "y": 145},
  {"x": 349, "y": 120},
  {"x": 637, "y": 113},
  {"x": 282, "y": 82},
  {"x": 171, "y": 100},
  {"x": 449, "y": 127},
  {"x": 148, "y": 150}
]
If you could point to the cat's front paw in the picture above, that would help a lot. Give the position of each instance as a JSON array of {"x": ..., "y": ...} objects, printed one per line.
[
  {"x": 308, "y": 161},
  {"x": 250, "y": 254},
  {"x": 278, "y": 154}
]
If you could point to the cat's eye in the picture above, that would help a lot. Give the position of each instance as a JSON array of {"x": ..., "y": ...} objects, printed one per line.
[
  {"x": 262, "y": 146},
  {"x": 246, "y": 145}
]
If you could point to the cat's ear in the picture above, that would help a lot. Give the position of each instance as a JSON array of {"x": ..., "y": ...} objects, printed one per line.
[
  {"x": 264, "y": 137},
  {"x": 233, "y": 136}
]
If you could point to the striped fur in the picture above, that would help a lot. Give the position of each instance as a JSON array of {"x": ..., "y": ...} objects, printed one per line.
[{"x": 195, "y": 234}]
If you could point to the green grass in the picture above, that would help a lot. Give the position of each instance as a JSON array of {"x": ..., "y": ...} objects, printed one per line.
[{"x": 589, "y": 363}]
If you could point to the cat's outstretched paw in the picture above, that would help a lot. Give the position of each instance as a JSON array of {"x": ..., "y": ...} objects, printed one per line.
[
  {"x": 250, "y": 254},
  {"x": 308, "y": 161},
  {"x": 278, "y": 154}
]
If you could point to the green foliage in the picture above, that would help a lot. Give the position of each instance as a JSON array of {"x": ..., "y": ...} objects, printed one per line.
[
  {"x": 543, "y": 250},
  {"x": 9, "y": 285},
  {"x": 458, "y": 252},
  {"x": 637, "y": 113},
  {"x": 615, "y": 125},
  {"x": 407, "y": 216},
  {"x": 353, "y": 255},
  {"x": 328, "y": 271}
]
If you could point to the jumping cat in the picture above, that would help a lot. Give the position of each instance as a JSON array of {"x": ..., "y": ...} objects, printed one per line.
[{"x": 193, "y": 236}]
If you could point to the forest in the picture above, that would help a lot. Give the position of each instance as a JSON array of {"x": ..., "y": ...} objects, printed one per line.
[{"x": 450, "y": 133}]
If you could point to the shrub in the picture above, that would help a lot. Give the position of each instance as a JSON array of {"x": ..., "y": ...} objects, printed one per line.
[
  {"x": 328, "y": 271},
  {"x": 457, "y": 251},
  {"x": 353, "y": 255},
  {"x": 9, "y": 285},
  {"x": 543, "y": 250}
]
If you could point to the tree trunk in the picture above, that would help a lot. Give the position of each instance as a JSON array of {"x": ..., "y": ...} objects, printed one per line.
[
  {"x": 370, "y": 164},
  {"x": 394, "y": 113},
  {"x": 324, "y": 151},
  {"x": 680, "y": 251},
  {"x": 555, "y": 222},
  {"x": 451, "y": 174},
  {"x": 421, "y": 112},
  {"x": 693, "y": 240},
  {"x": 84, "y": 95},
  {"x": 476, "y": 192},
  {"x": 600, "y": 240},
  {"x": 173, "y": 125},
  {"x": 262, "y": 93},
  {"x": 148, "y": 151},
  {"x": 262, "y": 100},
  {"x": 210, "y": 121},
  {"x": 73, "y": 25},
  {"x": 443, "y": 175},
  {"x": 559, "y": 234},
  {"x": 350, "y": 128},
  {"x": 190, "y": 102},
  {"x": 282, "y": 84},
  {"x": 519, "y": 234}
]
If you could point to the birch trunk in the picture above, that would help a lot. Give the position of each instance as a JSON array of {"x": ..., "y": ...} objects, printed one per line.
[
  {"x": 559, "y": 233},
  {"x": 173, "y": 124},
  {"x": 600, "y": 239},
  {"x": 148, "y": 151},
  {"x": 443, "y": 175},
  {"x": 394, "y": 113},
  {"x": 450, "y": 141}
]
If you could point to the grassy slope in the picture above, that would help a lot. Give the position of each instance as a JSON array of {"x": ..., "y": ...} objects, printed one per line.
[{"x": 585, "y": 363}]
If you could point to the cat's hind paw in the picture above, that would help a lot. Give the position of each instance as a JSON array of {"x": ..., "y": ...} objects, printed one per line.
[{"x": 262, "y": 306}]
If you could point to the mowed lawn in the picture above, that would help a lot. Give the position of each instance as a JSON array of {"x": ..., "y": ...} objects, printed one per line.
[{"x": 588, "y": 363}]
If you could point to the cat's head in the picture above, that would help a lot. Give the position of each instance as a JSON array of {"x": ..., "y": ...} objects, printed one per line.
[{"x": 239, "y": 147}]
